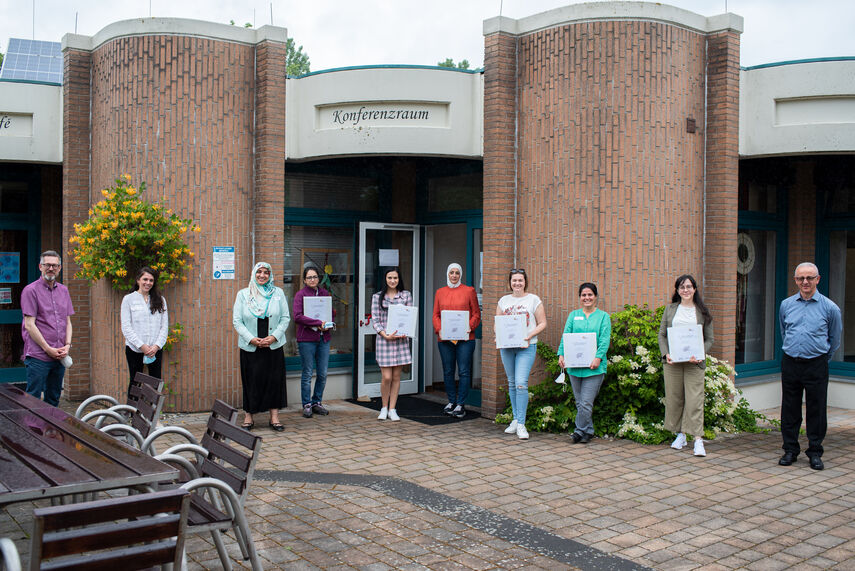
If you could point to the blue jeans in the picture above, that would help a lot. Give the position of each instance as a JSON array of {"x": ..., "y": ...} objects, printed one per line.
[
  {"x": 518, "y": 363},
  {"x": 461, "y": 356},
  {"x": 315, "y": 356},
  {"x": 44, "y": 377},
  {"x": 585, "y": 390}
]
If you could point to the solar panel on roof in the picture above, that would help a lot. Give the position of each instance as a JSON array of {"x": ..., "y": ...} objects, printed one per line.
[{"x": 33, "y": 60}]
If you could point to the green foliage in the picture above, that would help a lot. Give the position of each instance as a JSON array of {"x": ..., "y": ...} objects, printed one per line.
[
  {"x": 125, "y": 233},
  {"x": 631, "y": 402},
  {"x": 296, "y": 61},
  {"x": 462, "y": 64}
]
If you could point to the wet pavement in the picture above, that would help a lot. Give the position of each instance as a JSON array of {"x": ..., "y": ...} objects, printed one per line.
[{"x": 347, "y": 491}]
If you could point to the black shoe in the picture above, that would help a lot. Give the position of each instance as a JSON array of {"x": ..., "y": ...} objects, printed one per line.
[
  {"x": 459, "y": 411},
  {"x": 448, "y": 409},
  {"x": 788, "y": 458},
  {"x": 277, "y": 426},
  {"x": 585, "y": 438},
  {"x": 248, "y": 425},
  {"x": 816, "y": 463},
  {"x": 576, "y": 438},
  {"x": 320, "y": 409}
]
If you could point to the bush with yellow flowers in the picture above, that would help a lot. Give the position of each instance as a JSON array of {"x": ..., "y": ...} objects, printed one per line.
[{"x": 125, "y": 232}]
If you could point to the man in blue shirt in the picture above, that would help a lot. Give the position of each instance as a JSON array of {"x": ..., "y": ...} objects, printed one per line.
[{"x": 811, "y": 326}]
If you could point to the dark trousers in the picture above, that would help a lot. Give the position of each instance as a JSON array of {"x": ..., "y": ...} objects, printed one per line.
[
  {"x": 808, "y": 377},
  {"x": 135, "y": 365}
]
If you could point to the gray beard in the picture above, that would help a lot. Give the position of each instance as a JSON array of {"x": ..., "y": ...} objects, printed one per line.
[{"x": 49, "y": 278}]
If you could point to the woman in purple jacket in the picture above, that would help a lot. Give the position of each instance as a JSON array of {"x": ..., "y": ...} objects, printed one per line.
[{"x": 313, "y": 342}]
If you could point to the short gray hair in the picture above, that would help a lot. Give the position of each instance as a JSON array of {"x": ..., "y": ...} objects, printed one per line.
[
  {"x": 806, "y": 265},
  {"x": 49, "y": 254}
]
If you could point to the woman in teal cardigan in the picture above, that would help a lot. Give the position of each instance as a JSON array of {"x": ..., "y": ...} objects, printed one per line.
[
  {"x": 586, "y": 381},
  {"x": 260, "y": 318}
]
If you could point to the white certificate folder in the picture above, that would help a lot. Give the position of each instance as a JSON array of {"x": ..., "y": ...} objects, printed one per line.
[
  {"x": 580, "y": 349},
  {"x": 510, "y": 331},
  {"x": 454, "y": 325},
  {"x": 402, "y": 320},
  {"x": 686, "y": 342},
  {"x": 318, "y": 308}
]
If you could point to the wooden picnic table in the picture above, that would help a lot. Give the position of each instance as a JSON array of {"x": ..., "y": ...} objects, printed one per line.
[{"x": 46, "y": 452}]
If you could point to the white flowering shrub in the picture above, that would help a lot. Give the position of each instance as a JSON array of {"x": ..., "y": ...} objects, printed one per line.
[{"x": 631, "y": 402}]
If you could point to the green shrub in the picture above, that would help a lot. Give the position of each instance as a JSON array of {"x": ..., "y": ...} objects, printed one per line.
[{"x": 631, "y": 402}]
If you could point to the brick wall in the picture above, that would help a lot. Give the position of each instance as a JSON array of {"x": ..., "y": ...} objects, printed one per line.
[
  {"x": 180, "y": 113},
  {"x": 75, "y": 203},
  {"x": 270, "y": 79},
  {"x": 498, "y": 242},
  {"x": 722, "y": 189},
  {"x": 610, "y": 183}
]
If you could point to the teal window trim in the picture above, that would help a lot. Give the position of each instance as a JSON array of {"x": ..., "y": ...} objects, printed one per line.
[
  {"x": 335, "y": 362},
  {"x": 31, "y": 222},
  {"x": 13, "y": 375},
  {"x": 749, "y": 220},
  {"x": 329, "y": 218},
  {"x": 825, "y": 226}
]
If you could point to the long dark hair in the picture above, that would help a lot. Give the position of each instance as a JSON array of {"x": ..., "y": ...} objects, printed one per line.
[
  {"x": 696, "y": 298},
  {"x": 155, "y": 300},
  {"x": 384, "y": 287}
]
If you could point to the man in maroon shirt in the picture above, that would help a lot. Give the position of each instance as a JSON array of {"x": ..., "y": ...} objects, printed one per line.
[{"x": 46, "y": 330}]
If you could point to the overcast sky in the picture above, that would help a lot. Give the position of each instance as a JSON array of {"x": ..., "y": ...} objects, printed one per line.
[{"x": 339, "y": 33}]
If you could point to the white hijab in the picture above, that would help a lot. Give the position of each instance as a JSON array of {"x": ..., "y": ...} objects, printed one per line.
[{"x": 448, "y": 281}]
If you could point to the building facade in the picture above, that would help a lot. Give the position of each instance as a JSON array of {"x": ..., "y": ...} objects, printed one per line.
[{"x": 619, "y": 143}]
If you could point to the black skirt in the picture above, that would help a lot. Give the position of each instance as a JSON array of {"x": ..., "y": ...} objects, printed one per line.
[{"x": 262, "y": 374}]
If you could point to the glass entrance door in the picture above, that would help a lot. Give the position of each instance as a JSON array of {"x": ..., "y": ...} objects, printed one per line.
[
  {"x": 19, "y": 242},
  {"x": 380, "y": 246}
]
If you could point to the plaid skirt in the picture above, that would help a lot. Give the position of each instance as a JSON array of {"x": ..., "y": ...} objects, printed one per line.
[{"x": 392, "y": 353}]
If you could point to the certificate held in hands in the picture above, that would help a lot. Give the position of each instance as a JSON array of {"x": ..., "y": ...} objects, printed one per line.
[
  {"x": 318, "y": 308},
  {"x": 454, "y": 325},
  {"x": 510, "y": 331},
  {"x": 402, "y": 320},
  {"x": 686, "y": 342},
  {"x": 580, "y": 349}
]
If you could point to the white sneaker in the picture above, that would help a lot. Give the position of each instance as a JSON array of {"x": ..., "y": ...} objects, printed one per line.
[
  {"x": 699, "y": 447},
  {"x": 522, "y": 432},
  {"x": 512, "y": 427},
  {"x": 393, "y": 415},
  {"x": 679, "y": 442},
  {"x": 384, "y": 412}
]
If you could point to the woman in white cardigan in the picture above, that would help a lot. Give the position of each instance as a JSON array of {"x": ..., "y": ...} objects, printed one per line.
[
  {"x": 261, "y": 317},
  {"x": 145, "y": 325}
]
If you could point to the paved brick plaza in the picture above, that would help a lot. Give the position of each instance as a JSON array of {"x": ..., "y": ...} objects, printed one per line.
[{"x": 349, "y": 492}]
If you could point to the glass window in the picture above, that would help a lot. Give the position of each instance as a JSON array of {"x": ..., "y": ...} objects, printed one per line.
[
  {"x": 14, "y": 197},
  {"x": 755, "y": 296},
  {"x": 455, "y": 192},
  {"x": 840, "y": 275},
  {"x": 322, "y": 191},
  {"x": 330, "y": 250}
]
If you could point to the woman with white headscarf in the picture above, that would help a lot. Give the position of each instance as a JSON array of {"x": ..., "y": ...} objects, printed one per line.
[
  {"x": 260, "y": 317},
  {"x": 456, "y": 354}
]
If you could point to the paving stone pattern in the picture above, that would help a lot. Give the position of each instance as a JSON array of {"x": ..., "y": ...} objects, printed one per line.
[{"x": 349, "y": 492}]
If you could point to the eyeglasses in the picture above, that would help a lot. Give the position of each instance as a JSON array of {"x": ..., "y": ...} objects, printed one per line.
[
  {"x": 806, "y": 278},
  {"x": 52, "y": 266},
  {"x": 686, "y": 288},
  {"x": 312, "y": 278},
  {"x": 517, "y": 271}
]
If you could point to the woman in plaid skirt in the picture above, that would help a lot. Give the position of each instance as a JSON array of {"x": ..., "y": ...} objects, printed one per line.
[{"x": 391, "y": 350}]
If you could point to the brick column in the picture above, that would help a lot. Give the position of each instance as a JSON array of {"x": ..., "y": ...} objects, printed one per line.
[
  {"x": 722, "y": 188},
  {"x": 269, "y": 207},
  {"x": 75, "y": 197},
  {"x": 499, "y": 179}
]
